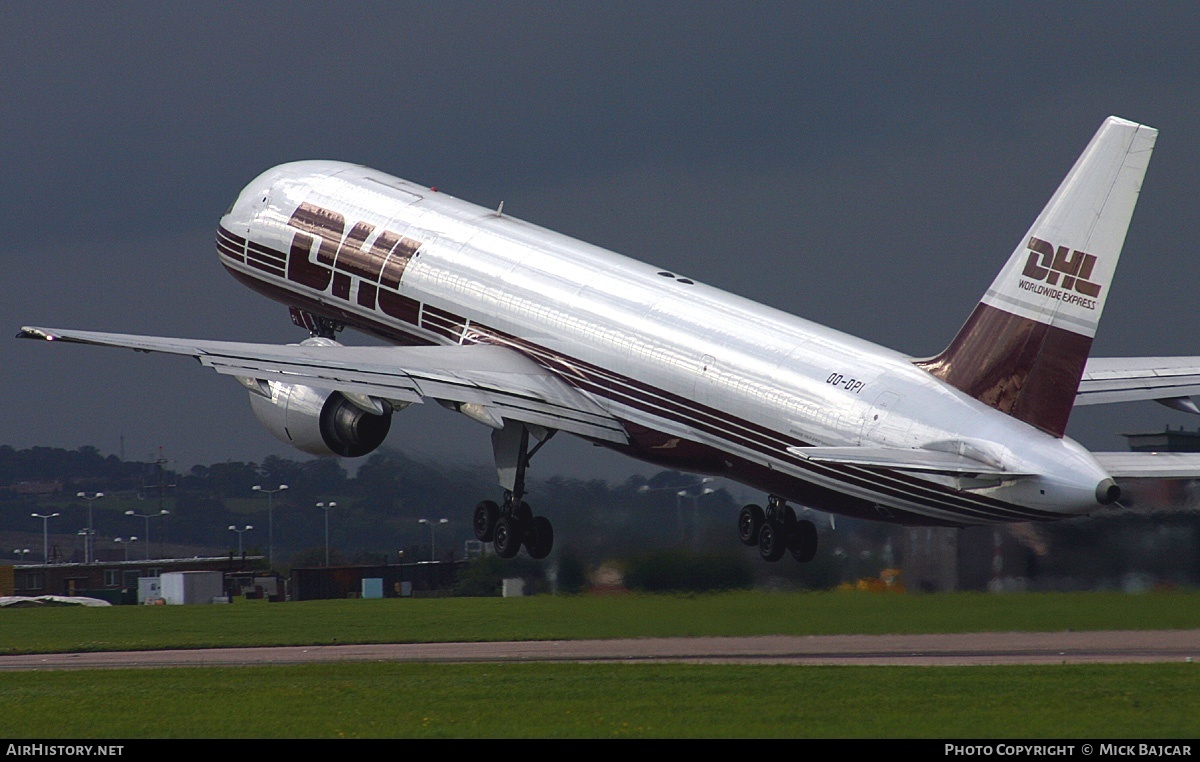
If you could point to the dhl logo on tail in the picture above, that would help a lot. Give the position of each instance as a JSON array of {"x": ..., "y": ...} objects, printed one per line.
[{"x": 1047, "y": 264}]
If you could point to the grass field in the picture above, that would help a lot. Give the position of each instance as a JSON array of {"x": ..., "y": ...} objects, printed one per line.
[
  {"x": 257, "y": 623},
  {"x": 604, "y": 701},
  {"x": 597, "y": 700}
]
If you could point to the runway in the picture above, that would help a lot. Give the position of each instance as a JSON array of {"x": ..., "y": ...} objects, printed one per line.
[{"x": 989, "y": 648}]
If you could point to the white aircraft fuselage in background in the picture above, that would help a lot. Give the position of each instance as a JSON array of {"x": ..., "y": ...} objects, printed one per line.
[{"x": 529, "y": 331}]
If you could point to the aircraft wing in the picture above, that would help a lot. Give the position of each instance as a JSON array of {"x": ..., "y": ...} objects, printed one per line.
[
  {"x": 1119, "y": 465},
  {"x": 1150, "y": 465},
  {"x": 928, "y": 461},
  {"x": 497, "y": 381},
  {"x": 1169, "y": 380}
]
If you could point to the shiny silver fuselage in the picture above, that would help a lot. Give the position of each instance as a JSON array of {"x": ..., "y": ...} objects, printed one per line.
[{"x": 704, "y": 380}]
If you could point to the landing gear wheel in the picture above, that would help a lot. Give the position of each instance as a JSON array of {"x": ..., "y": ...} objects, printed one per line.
[
  {"x": 750, "y": 520},
  {"x": 486, "y": 514},
  {"x": 539, "y": 537},
  {"x": 802, "y": 541},
  {"x": 772, "y": 541},
  {"x": 507, "y": 538},
  {"x": 523, "y": 513}
]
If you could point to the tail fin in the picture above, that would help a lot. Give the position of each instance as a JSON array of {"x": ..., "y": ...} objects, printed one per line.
[{"x": 1023, "y": 349}]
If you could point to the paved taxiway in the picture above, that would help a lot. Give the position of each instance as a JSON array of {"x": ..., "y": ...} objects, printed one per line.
[{"x": 923, "y": 650}]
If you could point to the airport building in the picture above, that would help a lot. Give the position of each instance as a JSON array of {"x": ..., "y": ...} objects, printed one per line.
[
  {"x": 424, "y": 579},
  {"x": 117, "y": 581}
]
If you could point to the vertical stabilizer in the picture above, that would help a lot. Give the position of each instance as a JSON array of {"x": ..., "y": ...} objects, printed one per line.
[{"x": 1024, "y": 348}]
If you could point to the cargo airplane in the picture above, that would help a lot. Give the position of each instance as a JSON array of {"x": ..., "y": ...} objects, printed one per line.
[{"x": 530, "y": 332}]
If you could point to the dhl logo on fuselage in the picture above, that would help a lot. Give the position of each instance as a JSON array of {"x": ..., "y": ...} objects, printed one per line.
[
  {"x": 341, "y": 257},
  {"x": 1048, "y": 265}
]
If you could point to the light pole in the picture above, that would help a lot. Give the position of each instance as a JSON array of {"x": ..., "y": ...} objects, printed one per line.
[
  {"x": 45, "y": 534},
  {"x": 682, "y": 492},
  {"x": 695, "y": 510},
  {"x": 85, "y": 534},
  {"x": 87, "y": 539},
  {"x": 240, "y": 532},
  {"x": 147, "y": 517},
  {"x": 326, "y": 507},
  {"x": 125, "y": 542},
  {"x": 270, "y": 518},
  {"x": 21, "y": 553},
  {"x": 432, "y": 524}
]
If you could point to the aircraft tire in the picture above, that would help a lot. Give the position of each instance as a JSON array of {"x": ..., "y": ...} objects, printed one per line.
[
  {"x": 750, "y": 521},
  {"x": 507, "y": 538},
  {"x": 539, "y": 537},
  {"x": 484, "y": 520},
  {"x": 523, "y": 513},
  {"x": 772, "y": 541},
  {"x": 802, "y": 541}
]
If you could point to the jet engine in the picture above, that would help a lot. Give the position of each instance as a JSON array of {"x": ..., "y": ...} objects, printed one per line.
[{"x": 319, "y": 421}]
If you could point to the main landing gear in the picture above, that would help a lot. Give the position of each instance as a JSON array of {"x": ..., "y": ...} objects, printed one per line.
[
  {"x": 511, "y": 525},
  {"x": 777, "y": 530}
]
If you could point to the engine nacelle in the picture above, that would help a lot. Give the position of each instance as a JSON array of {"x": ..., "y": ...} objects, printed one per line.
[{"x": 320, "y": 422}]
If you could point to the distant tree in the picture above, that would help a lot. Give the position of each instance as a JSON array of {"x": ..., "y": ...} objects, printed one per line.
[
  {"x": 572, "y": 576},
  {"x": 323, "y": 476},
  {"x": 276, "y": 470},
  {"x": 484, "y": 576},
  {"x": 233, "y": 479},
  {"x": 369, "y": 558},
  {"x": 314, "y": 557},
  {"x": 675, "y": 570}
]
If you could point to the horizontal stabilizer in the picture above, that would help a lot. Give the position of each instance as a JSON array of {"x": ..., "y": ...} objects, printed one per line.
[
  {"x": 498, "y": 378},
  {"x": 928, "y": 461},
  {"x": 1150, "y": 465},
  {"x": 1127, "y": 379}
]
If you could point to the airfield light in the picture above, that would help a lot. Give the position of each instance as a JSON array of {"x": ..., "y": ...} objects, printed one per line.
[
  {"x": 326, "y": 507},
  {"x": 125, "y": 542},
  {"x": 432, "y": 524},
  {"x": 88, "y": 549},
  {"x": 147, "y": 517},
  {"x": 680, "y": 493},
  {"x": 270, "y": 518},
  {"x": 45, "y": 534},
  {"x": 240, "y": 532}
]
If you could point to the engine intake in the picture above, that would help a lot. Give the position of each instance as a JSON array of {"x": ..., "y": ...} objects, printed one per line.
[{"x": 320, "y": 422}]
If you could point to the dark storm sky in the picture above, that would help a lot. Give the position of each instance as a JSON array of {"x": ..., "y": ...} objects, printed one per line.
[{"x": 866, "y": 165}]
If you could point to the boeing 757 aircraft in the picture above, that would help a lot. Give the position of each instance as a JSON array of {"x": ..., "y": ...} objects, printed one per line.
[{"x": 530, "y": 332}]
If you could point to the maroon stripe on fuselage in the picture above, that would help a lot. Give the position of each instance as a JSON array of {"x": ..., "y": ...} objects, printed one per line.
[{"x": 443, "y": 323}]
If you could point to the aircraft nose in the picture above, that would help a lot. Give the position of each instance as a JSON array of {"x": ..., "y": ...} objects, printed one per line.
[
  {"x": 255, "y": 197},
  {"x": 238, "y": 216}
]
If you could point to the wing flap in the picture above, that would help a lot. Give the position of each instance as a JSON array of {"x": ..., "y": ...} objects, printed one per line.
[
  {"x": 1150, "y": 465},
  {"x": 1128, "y": 379},
  {"x": 502, "y": 379}
]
